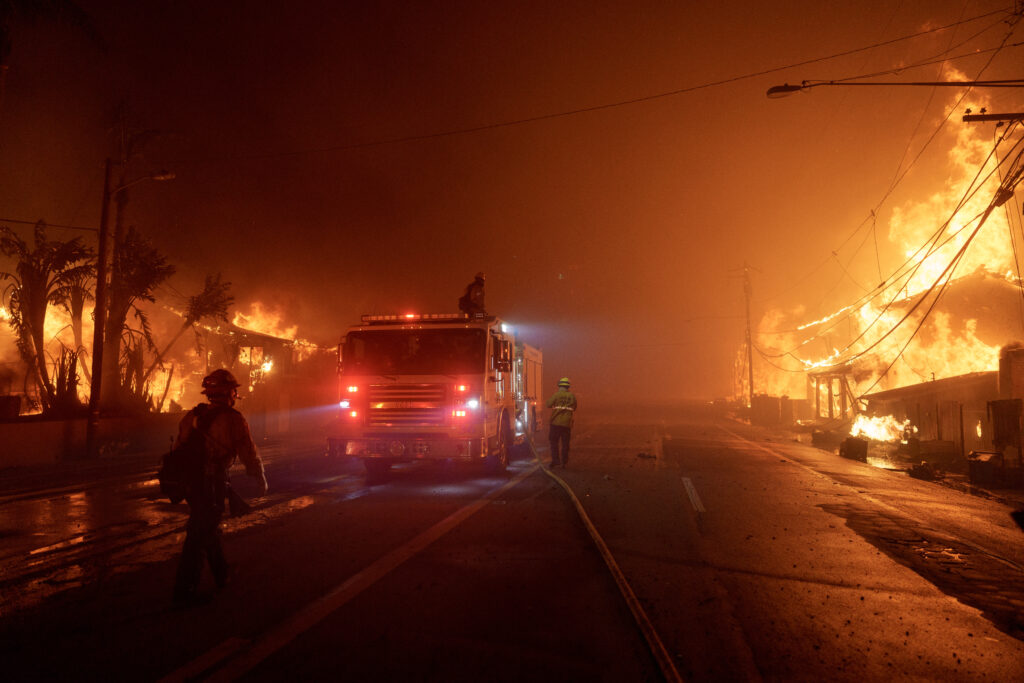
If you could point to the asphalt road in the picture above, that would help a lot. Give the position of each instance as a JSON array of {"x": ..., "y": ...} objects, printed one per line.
[{"x": 750, "y": 557}]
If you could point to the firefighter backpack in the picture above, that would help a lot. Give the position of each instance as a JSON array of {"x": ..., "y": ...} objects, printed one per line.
[{"x": 182, "y": 467}]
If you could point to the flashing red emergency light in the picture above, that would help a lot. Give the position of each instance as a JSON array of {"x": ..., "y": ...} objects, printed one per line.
[{"x": 436, "y": 317}]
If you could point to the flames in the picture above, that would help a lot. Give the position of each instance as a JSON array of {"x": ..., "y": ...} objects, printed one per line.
[
  {"x": 173, "y": 383},
  {"x": 265, "y": 321},
  {"x": 261, "y": 319},
  {"x": 855, "y": 336},
  {"x": 170, "y": 379},
  {"x": 886, "y": 428}
]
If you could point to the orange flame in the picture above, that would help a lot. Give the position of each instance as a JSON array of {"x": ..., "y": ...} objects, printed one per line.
[
  {"x": 886, "y": 428},
  {"x": 264, "y": 321},
  {"x": 944, "y": 347}
]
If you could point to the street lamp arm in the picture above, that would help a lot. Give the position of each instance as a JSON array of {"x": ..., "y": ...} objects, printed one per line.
[
  {"x": 159, "y": 175},
  {"x": 787, "y": 89}
]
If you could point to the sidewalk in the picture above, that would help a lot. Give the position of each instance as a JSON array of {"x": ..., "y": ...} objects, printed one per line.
[
  {"x": 1013, "y": 498},
  {"x": 25, "y": 478},
  {"x": 66, "y": 473}
]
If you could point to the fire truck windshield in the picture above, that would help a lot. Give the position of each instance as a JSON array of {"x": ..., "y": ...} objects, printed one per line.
[{"x": 415, "y": 352}]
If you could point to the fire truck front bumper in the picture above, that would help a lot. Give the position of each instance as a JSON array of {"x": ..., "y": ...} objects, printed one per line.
[{"x": 398, "y": 448}]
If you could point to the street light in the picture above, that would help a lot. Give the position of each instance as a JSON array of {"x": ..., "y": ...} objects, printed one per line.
[
  {"x": 777, "y": 91},
  {"x": 100, "y": 310}
]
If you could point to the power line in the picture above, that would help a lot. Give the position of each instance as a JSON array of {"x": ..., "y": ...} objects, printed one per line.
[
  {"x": 1003, "y": 193},
  {"x": 594, "y": 108},
  {"x": 49, "y": 225},
  {"x": 916, "y": 263},
  {"x": 901, "y": 175}
]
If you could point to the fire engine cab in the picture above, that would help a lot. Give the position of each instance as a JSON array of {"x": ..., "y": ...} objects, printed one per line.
[{"x": 445, "y": 386}]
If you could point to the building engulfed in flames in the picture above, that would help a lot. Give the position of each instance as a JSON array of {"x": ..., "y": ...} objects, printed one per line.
[
  {"x": 280, "y": 375},
  {"x": 918, "y": 359}
]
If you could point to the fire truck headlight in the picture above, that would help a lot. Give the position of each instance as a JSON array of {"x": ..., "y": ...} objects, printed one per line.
[
  {"x": 353, "y": 389},
  {"x": 473, "y": 404},
  {"x": 345, "y": 403}
]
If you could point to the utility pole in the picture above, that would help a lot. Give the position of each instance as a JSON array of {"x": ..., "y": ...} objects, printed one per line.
[
  {"x": 750, "y": 341},
  {"x": 984, "y": 116},
  {"x": 99, "y": 322}
]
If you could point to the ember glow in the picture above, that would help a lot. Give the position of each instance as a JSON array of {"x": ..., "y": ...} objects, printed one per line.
[
  {"x": 886, "y": 428},
  {"x": 167, "y": 385}
]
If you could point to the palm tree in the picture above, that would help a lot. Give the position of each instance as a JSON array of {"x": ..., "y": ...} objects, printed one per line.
[
  {"x": 142, "y": 269},
  {"x": 212, "y": 302},
  {"x": 41, "y": 274},
  {"x": 73, "y": 298}
]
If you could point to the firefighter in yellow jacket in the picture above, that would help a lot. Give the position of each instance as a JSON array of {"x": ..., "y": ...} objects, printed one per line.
[
  {"x": 225, "y": 435},
  {"x": 563, "y": 410}
]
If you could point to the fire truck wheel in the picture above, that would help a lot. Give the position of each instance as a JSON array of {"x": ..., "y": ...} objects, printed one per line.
[
  {"x": 497, "y": 461},
  {"x": 376, "y": 470}
]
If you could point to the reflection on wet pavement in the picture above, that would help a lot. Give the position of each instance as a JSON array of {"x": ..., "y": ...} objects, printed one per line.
[{"x": 65, "y": 539}]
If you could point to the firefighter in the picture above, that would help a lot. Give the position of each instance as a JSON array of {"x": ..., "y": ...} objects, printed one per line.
[
  {"x": 472, "y": 302},
  {"x": 222, "y": 435},
  {"x": 563, "y": 411}
]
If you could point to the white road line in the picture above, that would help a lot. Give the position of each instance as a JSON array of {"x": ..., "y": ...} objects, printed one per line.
[
  {"x": 315, "y": 612},
  {"x": 691, "y": 491},
  {"x": 198, "y": 666}
]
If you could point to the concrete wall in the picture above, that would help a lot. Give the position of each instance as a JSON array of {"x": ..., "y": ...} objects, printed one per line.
[{"x": 40, "y": 442}]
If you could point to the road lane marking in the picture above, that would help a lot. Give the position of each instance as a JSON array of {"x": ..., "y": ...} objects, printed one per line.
[
  {"x": 197, "y": 667},
  {"x": 654, "y": 643},
  {"x": 315, "y": 612},
  {"x": 694, "y": 498}
]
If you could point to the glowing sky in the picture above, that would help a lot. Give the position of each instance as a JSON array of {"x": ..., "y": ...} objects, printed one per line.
[{"x": 613, "y": 238}]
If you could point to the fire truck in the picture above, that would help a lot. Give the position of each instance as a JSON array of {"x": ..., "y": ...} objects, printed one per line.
[{"x": 446, "y": 386}]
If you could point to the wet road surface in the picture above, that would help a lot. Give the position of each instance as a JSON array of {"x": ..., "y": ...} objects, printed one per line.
[{"x": 752, "y": 556}]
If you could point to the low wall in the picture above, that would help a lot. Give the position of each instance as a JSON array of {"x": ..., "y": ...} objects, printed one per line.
[{"x": 40, "y": 442}]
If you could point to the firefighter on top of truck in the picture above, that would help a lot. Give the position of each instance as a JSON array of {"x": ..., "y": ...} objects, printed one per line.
[
  {"x": 563, "y": 411},
  {"x": 472, "y": 302}
]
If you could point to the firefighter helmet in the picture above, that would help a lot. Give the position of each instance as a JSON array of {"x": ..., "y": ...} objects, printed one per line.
[
  {"x": 564, "y": 382},
  {"x": 481, "y": 276},
  {"x": 218, "y": 382}
]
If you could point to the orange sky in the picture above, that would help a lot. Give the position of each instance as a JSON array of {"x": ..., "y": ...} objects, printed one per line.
[{"x": 614, "y": 238}]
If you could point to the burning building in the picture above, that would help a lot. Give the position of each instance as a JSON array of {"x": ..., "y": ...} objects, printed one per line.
[{"x": 921, "y": 350}]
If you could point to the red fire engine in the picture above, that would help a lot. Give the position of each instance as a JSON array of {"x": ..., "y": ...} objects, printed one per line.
[{"x": 446, "y": 386}]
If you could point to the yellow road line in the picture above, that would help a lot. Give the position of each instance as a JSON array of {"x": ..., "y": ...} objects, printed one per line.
[{"x": 315, "y": 612}]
